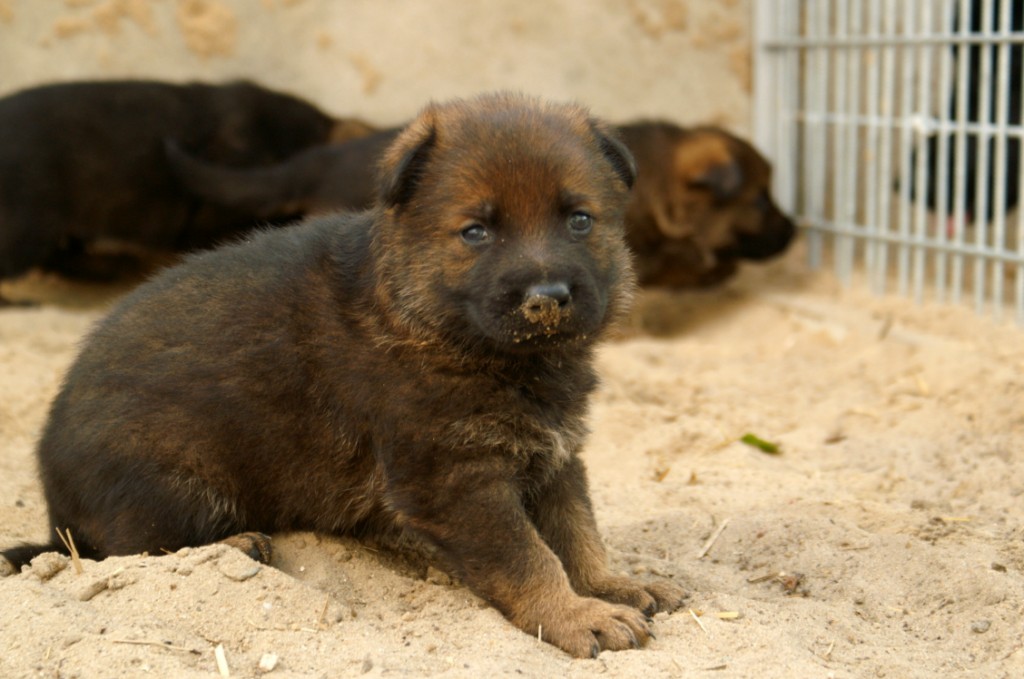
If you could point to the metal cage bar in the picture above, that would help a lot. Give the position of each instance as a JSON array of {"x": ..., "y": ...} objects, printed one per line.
[{"x": 895, "y": 128}]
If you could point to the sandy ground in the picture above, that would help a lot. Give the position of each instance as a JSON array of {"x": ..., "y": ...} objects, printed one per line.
[{"x": 885, "y": 540}]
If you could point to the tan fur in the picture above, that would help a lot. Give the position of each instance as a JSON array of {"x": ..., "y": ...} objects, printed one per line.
[
  {"x": 701, "y": 204},
  {"x": 345, "y": 129},
  {"x": 701, "y": 153}
]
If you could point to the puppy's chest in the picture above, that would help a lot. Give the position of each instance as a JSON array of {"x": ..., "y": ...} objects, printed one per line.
[{"x": 539, "y": 435}]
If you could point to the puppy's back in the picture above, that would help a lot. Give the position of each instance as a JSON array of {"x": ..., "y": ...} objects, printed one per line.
[{"x": 226, "y": 334}]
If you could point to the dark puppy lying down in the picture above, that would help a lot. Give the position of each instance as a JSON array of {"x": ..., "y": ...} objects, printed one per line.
[
  {"x": 85, "y": 161},
  {"x": 701, "y": 204},
  {"x": 418, "y": 370}
]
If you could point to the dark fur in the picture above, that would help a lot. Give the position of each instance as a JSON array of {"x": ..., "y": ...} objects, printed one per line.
[
  {"x": 85, "y": 161},
  {"x": 378, "y": 372},
  {"x": 701, "y": 203},
  {"x": 320, "y": 179}
]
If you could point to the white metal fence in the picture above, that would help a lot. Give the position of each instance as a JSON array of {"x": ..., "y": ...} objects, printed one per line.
[{"x": 895, "y": 130}]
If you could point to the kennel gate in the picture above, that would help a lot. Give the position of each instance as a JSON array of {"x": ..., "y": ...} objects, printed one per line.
[{"x": 894, "y": 127}]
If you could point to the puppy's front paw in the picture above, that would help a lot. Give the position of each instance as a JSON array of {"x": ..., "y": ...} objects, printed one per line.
[
  {"x": 590, "y": 626},
  {"x": 648, "y": 597},
  {"x": 668, "y": 595}
]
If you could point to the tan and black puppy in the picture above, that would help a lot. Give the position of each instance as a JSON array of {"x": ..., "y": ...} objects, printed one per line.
[
  {"x": 702, "y": 203},
  {"x": 422, "y": 367}
]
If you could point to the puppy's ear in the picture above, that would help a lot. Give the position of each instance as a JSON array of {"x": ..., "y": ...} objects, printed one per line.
[
  {"x": 402, "y": 167},
  {"x": 723, "y": 180},
  {"x": 705, "y": 160},
  {"x": 615, "y": 152}
]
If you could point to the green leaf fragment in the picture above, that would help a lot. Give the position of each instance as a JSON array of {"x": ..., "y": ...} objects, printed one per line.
[{"x": 761, "y": 444}]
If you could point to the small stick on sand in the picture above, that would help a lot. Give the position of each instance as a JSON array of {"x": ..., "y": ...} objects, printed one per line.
[
  {"x": 697, "y": 620},
  {"x": 322, "y": 621},
  {"x": 763, "y": 578},
  {"x": 143, "y": 642},
  {"x": 711, "y": 540},
  {"x": 883, "y": 332},
  {"x": 69, "y": 544}
]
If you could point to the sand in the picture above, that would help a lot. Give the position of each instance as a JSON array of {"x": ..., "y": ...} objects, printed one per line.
[{"x": 886, "y": 539}]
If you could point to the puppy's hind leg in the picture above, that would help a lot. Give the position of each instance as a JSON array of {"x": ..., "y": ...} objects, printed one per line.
[
  {"x": 151, "y": 510},
  {"x": 11, "y": 560},
  {"x": 116, "y": 499},
  {"x": 254, "y": 545},
  {"x": 213, "y": 514}
]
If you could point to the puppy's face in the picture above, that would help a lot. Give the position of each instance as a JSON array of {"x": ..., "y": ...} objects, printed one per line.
[
  {"x": 714, "y": 190},
  {"x": 504, "y": 224}
]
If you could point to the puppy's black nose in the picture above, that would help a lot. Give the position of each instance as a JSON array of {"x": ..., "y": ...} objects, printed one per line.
[{"x": 544, "y": 294}]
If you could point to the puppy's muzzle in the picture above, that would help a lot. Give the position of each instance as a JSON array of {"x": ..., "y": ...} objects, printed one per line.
[{"x": 547, "y": 304}]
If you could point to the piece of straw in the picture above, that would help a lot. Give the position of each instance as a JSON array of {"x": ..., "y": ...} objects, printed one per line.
[
  {"x": 69, "y": 544},
  {"x": 711, "y": 540},
  {"x": 697, "y": 620},
  {"x": 222, "y": 661}
]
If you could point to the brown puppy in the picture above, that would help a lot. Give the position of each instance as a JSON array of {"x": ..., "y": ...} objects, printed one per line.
[
  {"x": 421, "y": 368},
  {"x": 701, "y": 202}
]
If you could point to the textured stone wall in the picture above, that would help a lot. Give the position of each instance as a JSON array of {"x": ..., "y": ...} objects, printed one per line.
[{"x": 687, "y": 60}]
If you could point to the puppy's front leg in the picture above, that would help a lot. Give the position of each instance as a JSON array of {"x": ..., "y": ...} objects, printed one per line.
[
  {"x": 473, "y": 513},
  {"x": 565, "y": 519}
]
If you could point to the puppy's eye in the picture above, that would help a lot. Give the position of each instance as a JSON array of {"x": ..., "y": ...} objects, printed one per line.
[
  {"x": 475, "y": 234},
  {"x": 580, "y": 223}
]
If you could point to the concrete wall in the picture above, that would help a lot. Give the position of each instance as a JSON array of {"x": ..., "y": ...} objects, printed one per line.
[{"x": 687, "y": 60}]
